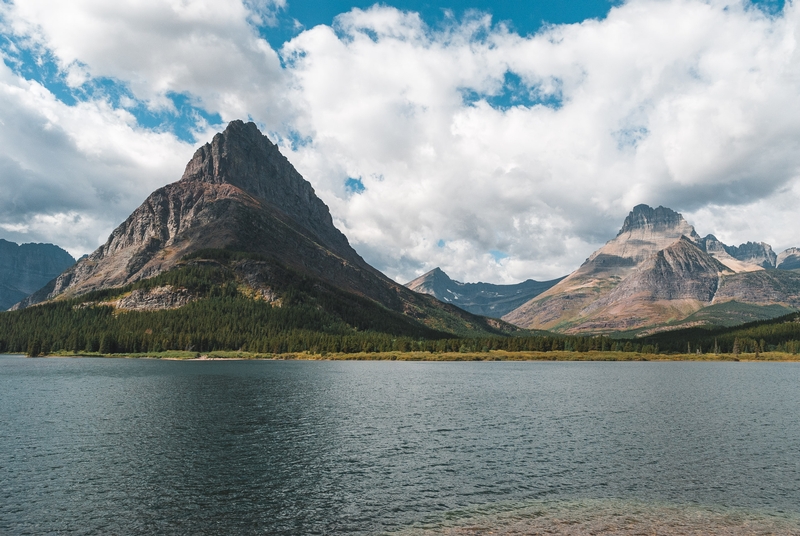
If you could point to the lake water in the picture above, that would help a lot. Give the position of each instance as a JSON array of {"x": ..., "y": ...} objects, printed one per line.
[{"x": 122, "y": 446}]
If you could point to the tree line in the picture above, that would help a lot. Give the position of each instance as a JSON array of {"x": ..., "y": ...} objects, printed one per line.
[{"x": 317, "y": 319}]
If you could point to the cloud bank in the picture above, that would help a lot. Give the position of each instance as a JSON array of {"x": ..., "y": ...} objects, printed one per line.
[{"x": 496, "y": 156}]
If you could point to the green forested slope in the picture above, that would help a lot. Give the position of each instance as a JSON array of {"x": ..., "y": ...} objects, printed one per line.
[{"x": 779, "y": 334}]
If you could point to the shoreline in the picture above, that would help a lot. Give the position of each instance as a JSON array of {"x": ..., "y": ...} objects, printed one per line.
[{"x": 494, "y": 355}]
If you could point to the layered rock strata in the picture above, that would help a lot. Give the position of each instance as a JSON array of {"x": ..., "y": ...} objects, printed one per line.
[{"x": 658, "y": 271}]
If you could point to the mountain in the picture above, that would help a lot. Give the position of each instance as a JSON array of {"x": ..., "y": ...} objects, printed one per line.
[
  {"x": 789, "y": 259},
  {"x": 747, "y": 257},
  {"x": 483, "y": 299},
  {"x": 241, "y": 207},
  {"x": 658, "y": 272},
  {"x": 26, "y": 268}
]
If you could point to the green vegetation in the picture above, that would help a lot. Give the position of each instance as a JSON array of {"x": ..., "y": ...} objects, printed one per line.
[
  {"x": 780, "y": 334},
  {"x": 311, "y": 316},
  {"x": 494, "y": 355},
  {"x": 733, "y": 313},
  {"x": 315, "y": 320}
]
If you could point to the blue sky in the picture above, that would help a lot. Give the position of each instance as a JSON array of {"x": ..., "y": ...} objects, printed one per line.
[
  {"x": 296, "y": 16},
  {"x": 523, "y": 17},
  {"x": 498, "y": 140}
]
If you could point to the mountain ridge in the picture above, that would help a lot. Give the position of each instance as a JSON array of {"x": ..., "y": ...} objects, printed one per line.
[
  {"x": 639, "y": 279},
  {"x": 484, "y": 299}
]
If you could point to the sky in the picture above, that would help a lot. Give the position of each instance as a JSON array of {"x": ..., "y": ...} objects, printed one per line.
[{"x": 497, "y": 140}]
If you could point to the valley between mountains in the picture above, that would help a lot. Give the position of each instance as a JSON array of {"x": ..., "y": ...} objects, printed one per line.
[{"x": 240, "y": 254}]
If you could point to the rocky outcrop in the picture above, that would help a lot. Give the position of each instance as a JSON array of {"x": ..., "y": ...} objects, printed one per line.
[
  {"x": 655, "y": 223},
  {"x": 645, "y": 232},
  {"x": 719, "y": 251},
  {"x": 672, "y": 283},
  {"x": 747, "y": 257},
  {"x": 759, "y": 254},
  {"x": 26, "y": 268},
  {"x": 479, "y": 298},
  {"x": 678, "y": 272},
  {"x": 154, "y": 299},
  {"x": 764, "y": 287},
  {"x": 237, "y": 192}
]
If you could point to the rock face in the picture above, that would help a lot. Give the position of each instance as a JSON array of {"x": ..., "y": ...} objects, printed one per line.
[
  {"x": 789, "y": 259},
  {"x": 240, "y": 193},
  {"x": 154, "y": 299},
  {"x": 26, "y": 268},
  {"x": 645, "y": 232},
  {"x": 479, "y": 298},
  {"x": 656, "y": 272}
]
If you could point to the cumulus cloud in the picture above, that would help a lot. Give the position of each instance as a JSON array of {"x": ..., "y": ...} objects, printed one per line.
[
  {"x": 208, "y": 49},
  {"x": 70, "y": 174},
  {"x": 467, "y": 146},
  {"x": 683, "y": 103}
]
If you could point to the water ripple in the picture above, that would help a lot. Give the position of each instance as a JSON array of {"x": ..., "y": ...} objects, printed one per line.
[{"x": 99, "y": 446}]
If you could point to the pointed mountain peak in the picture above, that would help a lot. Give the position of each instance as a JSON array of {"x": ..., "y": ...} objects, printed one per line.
[
  {"x": 428, "y": 280},
  {"x": 233, "y": 156},
  {"x": 243, "y": 157},
  {"x": 644, "y": 217},
  {"x": 438, "y": 273}
]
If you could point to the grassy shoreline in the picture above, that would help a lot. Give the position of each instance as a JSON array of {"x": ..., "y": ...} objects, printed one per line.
[{"x": 494, "y": 355}]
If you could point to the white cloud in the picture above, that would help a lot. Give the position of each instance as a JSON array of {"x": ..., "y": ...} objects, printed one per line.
[
  {"x": 682, "y": 103},
  {"x": 685, "y": 103},
  {"x": 208, "y": 48},
  {"x": 70, "y": 174}
]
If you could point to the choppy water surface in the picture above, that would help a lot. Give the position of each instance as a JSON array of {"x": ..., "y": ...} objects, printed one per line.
[{"x": 102, "y": 446}]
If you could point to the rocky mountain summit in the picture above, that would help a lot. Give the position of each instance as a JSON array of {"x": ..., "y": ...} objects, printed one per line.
[
  {"x": 657, "y": 272},
  {"x": 26, "y": 268},
  {"x": 239, "y": 194},
  {"x": 479, "y": 298}
]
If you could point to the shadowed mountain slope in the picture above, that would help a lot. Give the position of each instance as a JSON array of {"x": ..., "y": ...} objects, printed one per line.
[{"x": 26, "y": 268}]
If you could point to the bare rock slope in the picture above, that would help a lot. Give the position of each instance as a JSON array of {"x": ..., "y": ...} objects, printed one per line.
[{"x": 656, "y": 272}]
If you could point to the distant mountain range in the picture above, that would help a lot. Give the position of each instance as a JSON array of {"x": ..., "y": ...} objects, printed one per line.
[
  {"x": 659, "y": 274},
  {"x": 28, "y": 267},
  {"x": 240, "y": 207},
  {"x": 479, "y": 298}
]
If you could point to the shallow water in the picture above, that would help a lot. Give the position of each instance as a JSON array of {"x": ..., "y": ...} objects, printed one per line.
[
  {"x": 98, "y": 446},
  {"x": 607, "y": 516}
]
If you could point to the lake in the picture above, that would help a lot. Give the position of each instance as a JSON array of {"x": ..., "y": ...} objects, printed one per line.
[{"x": 127, "y": 446}]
